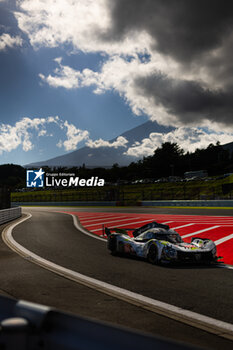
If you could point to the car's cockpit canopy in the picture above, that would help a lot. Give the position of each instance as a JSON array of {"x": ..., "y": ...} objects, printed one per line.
[{"x": 161, "y": 235}]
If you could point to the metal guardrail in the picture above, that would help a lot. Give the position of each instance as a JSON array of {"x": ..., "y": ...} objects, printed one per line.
[
  {"x": 9, "y": 214},
  {"x": 29, "y": 326}
]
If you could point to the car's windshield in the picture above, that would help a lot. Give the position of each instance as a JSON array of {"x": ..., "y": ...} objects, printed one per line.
[
  {"x": 161, "y": 235},
  {"x": 174, "y": 238}
]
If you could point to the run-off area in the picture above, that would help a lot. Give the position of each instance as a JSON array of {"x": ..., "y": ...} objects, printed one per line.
[{"x": 217, "y": 228}]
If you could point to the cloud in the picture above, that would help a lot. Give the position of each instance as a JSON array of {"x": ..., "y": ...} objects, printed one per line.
[
  {"x": 74, "y": 136},
  {"x": 59, "y": 144},
  {"x": 186, "y": 102},
  {"x": 170, "y": 60},
  {"x": 23, "y": 133},
  {"x": 42, "y": 132},
  {"x": 63, "y": 21},
  {"x": 168, "y": 100},
  {"x": 65, "y": 77},
  {"x": 83, "y": 24},
  {"x": 119, "y": 75},
  {"x": 7, "y": 41},
  {"x": 26, "y": 131},
  {"x": 181, "y": 29},
  {"x": 120, "y": 142},
  {"x": 197, "y": 39},
  {"x": 11, "y": 137},
  {"x": 188, "y": 139}
]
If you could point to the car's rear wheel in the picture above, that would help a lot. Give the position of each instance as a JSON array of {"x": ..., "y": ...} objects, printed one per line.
[
  {"x": 121, "y": 247},
  {"x": 152, "y": 255},
  {"x": 112, "y": 244}
]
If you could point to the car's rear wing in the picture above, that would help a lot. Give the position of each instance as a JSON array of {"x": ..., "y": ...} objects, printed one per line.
[
  {"x": 135, "y": 231},
  {"x": 107, "y": 231}
]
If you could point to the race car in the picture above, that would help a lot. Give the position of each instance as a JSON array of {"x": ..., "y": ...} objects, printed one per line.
[{"x": 159, "y": 244}]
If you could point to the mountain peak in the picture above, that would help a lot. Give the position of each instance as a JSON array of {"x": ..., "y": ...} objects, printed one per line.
[{"x": 105, "y": 156}]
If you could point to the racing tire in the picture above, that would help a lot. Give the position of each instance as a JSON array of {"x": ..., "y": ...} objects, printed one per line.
[
  {"x": 121, "y": 247},
  {"x": 112, "y": 244},
  {"x": 152, "y": 255}
]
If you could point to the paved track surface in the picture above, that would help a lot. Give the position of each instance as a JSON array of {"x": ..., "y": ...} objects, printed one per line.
[{"x": 206, "y": 290}]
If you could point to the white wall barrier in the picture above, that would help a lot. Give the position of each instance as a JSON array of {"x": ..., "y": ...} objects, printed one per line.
[{"x": 9, "y": 214}]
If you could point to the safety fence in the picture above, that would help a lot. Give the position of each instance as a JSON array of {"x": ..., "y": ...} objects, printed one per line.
[
  {"x": 29, "y": 326},
  {"x": 9, "y": 214}
]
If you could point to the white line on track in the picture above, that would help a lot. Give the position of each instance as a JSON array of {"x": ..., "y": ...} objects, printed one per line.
[
  {"x": 209, "y": 223},
  {"x": 211, "y": 325},
  {"x": 224, "y": 239},
  {"x": 94, "y": 218},
  {"x": 200, "y": 231},
  {"x": 175, "y": 228},
  {"x": 198, "y": 220},
  {"x": 109, "y": 222},
  {"x": 99, "y": 219}
]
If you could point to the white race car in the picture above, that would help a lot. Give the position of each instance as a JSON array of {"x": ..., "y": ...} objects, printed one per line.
[{"x": 158, "y": 243}]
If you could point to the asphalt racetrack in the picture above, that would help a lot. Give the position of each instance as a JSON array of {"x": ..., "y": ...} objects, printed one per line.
[{"x": 51, "y": 234}]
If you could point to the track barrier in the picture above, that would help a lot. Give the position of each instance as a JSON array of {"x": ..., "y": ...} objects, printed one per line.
[
  {"x": 9, "y": 214},
  {"x": 28, "y": 326}
]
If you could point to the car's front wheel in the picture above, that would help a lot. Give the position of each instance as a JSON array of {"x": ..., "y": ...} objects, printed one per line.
[{"x": 152, "y": 255}]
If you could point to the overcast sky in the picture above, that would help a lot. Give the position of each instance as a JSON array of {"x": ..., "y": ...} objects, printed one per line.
[{"x": 77, "y": 73}]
